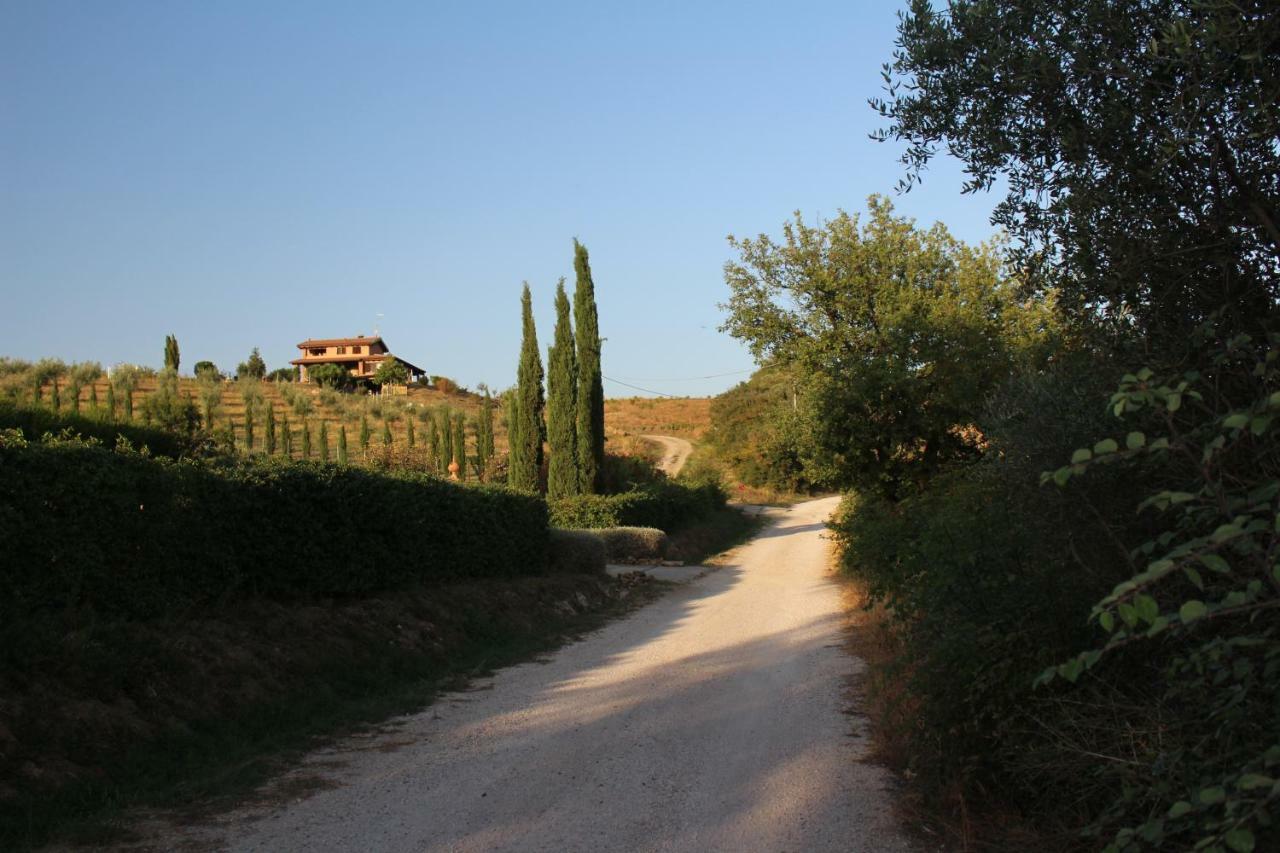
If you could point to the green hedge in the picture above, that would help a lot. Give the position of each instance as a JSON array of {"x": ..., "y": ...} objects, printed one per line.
[
  {"x": 125, "y": 534},
  {"x": 35, "y": 422},
  {"x": 666, "y": 506}
]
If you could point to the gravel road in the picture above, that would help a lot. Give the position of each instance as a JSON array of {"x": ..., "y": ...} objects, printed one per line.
[
  {"x": 715, "y": 719},
  {"x": 675, "y": 452}
]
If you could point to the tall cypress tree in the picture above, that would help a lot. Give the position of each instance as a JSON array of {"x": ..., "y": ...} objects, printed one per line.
[
  {"x": 286, "y": 438},
  {"x": 433, "y": 445},
  {"x": 484, "y": 431},
  {"x": 386, "y": 434},
  {"x": 526, "y": 429},
  {"x": 562, "y": 405},
  {"x": 342, "y": 444},
  {"x": 171, "y": 355},
  {"x": 410, "y": 438},
  {"x": 111, "y": 401},
  {"x": 364, "y": 435},
  {"x": 248, "y": 428},
  {"x": 306, "y": 439},
  {"x": 590, "y": 379},
  {"x": 444, "y": 428},
  {"x": 269, "y": 432},
  {"x": 460, "y": 443},
  {"x": 324, "y": 441},
  {"x": 93, "y": 396}
]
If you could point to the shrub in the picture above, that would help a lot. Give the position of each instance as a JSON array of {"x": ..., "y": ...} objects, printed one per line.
[
  {"x": 35, "y": 422},
  {"x": 333, "y": 376},
  {"x": 123, "y": 534},
  {"x": 634, "y": 543},
  {"x": 576, "y": 552},
  {"x": 666, "y": 506}
]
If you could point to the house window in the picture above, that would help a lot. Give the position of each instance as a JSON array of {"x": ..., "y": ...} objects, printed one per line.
[
  {"x": 342, "y": 350},
  {"x": 356, "y": 350}
]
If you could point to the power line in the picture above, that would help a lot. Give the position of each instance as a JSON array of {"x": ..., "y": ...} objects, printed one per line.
[
  {"x": 693, "y": 378},
  {"x": 637, "y": 387}
]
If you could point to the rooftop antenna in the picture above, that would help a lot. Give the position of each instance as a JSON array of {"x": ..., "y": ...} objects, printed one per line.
[{"x": 376, "y": 323}]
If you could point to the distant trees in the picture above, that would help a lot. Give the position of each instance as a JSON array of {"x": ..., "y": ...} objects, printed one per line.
[
  {"x": 333, "y": 376},
  {"x": 391, "y": 371},
  {"x": 253, "y": 368},
  {"x": 525, "y": 429},
  {"x": 85, "y": 373},
  {"x": 124, "y": 379},
  {"x": 172, "y": 357},
  {"x": 590, "y": 396},
  {"x": 283, "y": 374},
  {"x": 563, "y": 478},
  {"x": 207, "y": 370}
]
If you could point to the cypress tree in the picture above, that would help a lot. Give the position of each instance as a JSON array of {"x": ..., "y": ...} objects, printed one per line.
[
  {"x": 386, "y": 434},
  {"x": 364, "y": 435},
  {"x": 111, "y": 401},
  {"x": 306, "y": 439},
  {"x": 444, "y": 426},
  {"x": 342, "y": 444},
  {"x": 171, "y": 354},
  {"x": 590, "y": 379},
  {"x": 269, "y": 432},
  {"x": 433, "y": 446},
  {"x": 408, "y": 426},
  {"x": 460, "y": 444},
  {"x": 562, "y": 405},
  {"x": 484, "y": 432},
  {"x": 526, "y": 428},
  {"x": 56, "y": 399},
  {"x": 324, "y": 441},
  {"x": 128, "y": 403},
  {"x": 286, "y": 438},
  {"x": 248, "y": 428}
]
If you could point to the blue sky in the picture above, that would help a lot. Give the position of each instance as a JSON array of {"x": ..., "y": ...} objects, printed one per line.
[{"x": 254, "y": 173}]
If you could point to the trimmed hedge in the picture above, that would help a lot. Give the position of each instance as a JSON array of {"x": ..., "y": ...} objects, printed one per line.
[
  {"x": 130, "y": 535},
  {"x": 666, "y": 506},
  {"x": 35, "y": 422},
  {"x": 634, "y": 543},
  {"x": 577, "y": 552}
]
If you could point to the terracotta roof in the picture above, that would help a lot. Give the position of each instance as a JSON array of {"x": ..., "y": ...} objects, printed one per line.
[
  {"x": 338, "y": 342},
  {"x": 343, "y": 359}
]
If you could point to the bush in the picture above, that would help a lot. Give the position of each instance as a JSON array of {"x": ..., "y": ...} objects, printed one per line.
[
  {"x": 576, "y": 552},
  {"x": 35, "y": 422},
  {"x": 666, "y": 506},
  {"x": 634, "y": 543},
  {"x": 125, "y": 534}
]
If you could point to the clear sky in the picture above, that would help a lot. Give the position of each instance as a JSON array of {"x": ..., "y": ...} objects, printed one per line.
[{"x": 255, "y": 173}]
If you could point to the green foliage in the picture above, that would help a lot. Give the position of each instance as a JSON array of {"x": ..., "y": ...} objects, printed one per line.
[
  {"x": 434, "y": 449},
  {"x": 755, "y": 430},
  {"x": 386, "y": 434},
  {"x": 168, "y": 409},
  {"x": 666, "y": 506},
  {"x": 207, "y": 370},
  {"x": 576, "y": 552},
  {"x": 484, "y": 433},
  {"x": 409, "y": 438},
  {"x": 111, "y": 401},
  {"x": 286, "y": 438},
  {"x": 125, "y": 379},
  {"x": 563, "y": 477},
  {"x": 625, "y": 544},
  {"x": 342, "y": 444},
  {"x": 209, "y": 390},
  {"x": 333, "y": 376},
  {"x": 248, "y": 428},
  {"x": 391, "y": 371},
  {"x": 365, "y": 434},
  {"x": 460, "y": 444},
  {"x": 254, "y": 368},
  {"x": 525, "y": 428},
  {"x": 172, "y": 357},
  {"x": 151, "y": 537},
  {"x": 1201, "y": 602},
  {"x": 269, "y": 433},
  {"x": 324, "y": 441},
  {"x": 896, "y": 335},
  {"x": 35, "y": 422},
  {"x": 590, "y": 379},
  {"x": 283, "y": 374},
  {"x": 306, "y": 439},
  {"x": 1125, "y": 137}
]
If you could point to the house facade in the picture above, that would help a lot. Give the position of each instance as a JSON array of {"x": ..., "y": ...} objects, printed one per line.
[{"x": 359, "y": 356}]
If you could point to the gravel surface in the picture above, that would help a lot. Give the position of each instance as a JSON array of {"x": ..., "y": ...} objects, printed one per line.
[
  {"x": 675, "y": 452},
  {"x": 716, "y": 718}
]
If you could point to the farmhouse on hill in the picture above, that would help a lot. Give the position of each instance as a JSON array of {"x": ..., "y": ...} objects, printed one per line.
[{"x": 360, "y": 356}]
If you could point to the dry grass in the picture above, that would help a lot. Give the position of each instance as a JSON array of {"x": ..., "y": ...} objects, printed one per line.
[{"x": 684, "y": 417}]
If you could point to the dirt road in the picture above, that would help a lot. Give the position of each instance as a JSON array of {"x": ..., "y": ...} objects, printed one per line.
[
  {"x": 715, "y": 719},
  {"x": 675, "y": 452}
]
